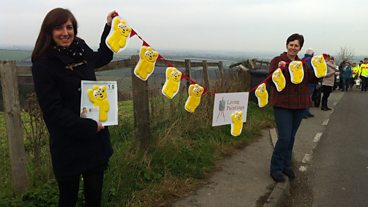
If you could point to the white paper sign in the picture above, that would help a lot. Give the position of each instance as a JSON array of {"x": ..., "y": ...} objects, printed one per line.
[
  {"x": 226, "y": 104},
  {"x": 99, "y": 101}
]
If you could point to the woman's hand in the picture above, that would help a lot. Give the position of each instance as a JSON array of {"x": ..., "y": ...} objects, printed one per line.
[
  {"x": 282, "y": 64},
  {"x": 110, "y": 16},
  {"x": 99, "y": 126}
]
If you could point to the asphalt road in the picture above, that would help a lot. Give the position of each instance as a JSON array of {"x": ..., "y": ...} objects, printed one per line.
[{"x": 338, "y": 173}]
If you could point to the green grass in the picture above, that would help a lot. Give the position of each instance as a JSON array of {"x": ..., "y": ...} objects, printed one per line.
[
  {"x": 178, "y": 160},
  {"x": 184, "y": 151}
]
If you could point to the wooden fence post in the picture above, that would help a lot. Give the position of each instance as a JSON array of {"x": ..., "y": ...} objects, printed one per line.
[
  {"x": 188, "y": 69},
  {"x": 205, "y": 75},
  {"x": 221, "y": 69},
  {"x": 9, "y": 84},
  {"x": 141, "y": 109}
]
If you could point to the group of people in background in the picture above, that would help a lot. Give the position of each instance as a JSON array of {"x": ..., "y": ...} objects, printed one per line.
[{"x": 350, "y": 74}]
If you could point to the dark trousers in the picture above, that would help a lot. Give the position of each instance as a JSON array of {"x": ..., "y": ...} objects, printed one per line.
[
  {"x": 326, "y": 93},
  {"x": 287, "y": 123},
  {"x": 364, "y": 83},
  {"x": 345, "y": 84},
  {"x": 69, "y": 186},
  {"x": 312, "y": 88}
]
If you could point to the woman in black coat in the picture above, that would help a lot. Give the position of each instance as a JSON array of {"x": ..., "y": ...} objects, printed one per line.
[{"x": 79, "y": 146}]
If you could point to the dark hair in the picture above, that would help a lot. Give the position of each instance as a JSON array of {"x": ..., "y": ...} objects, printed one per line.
[
  {"x": 296, "y": 36},
  {"x": 54, "y": 18}
]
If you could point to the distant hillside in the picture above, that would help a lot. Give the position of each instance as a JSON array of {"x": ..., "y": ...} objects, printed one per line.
[{"x": 15, "y": 54}]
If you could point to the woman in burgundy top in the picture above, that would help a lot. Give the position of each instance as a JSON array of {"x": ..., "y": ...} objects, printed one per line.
[{"x": 289, "y": 108}]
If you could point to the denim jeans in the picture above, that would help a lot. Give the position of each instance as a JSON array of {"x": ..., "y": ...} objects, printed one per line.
[{"x": 287, "y": 123}]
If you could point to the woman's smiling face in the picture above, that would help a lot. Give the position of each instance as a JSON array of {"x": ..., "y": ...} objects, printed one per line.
[
  {"x": 63, "y": 35},
  {"x": 293, "y": 48}
]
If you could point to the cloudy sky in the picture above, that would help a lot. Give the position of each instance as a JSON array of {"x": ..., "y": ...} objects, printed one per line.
[{"x": 227, "y": 25}]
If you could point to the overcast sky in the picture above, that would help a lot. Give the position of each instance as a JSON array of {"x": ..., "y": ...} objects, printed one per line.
[{"x": 228, "y": 25}]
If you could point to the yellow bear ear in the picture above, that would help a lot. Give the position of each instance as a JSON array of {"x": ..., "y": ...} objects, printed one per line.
[
  {"x": 191, "y": 87},
  {"x": 104, "y": 87},
  {"x": 116, "y": 21},
  {"x": 95, "y": 87}
]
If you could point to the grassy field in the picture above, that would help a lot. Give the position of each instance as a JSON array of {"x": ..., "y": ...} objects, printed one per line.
[{"x": 184, "y": 151}]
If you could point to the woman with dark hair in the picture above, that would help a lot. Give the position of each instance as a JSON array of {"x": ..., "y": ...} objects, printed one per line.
[
  {"x": 289, "y": 107},
  {"x": 78, "y": 146}
]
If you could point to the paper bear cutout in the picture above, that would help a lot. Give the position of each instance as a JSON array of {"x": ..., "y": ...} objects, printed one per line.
[
  {"x": 319, "y": 66},
  {"x": 236, "y": 123},
  {"x": 278, "y": 79},
  {"x": 262, "y": 95},
  {"x": 195, "y": 92},
  {"x": 172, "y": 83},
  {"x": 98, "y": 96},
  {"x": 146, "y": 63},
  {"x": 119, "y": 35},
  {"x": 296, "y": 72}
]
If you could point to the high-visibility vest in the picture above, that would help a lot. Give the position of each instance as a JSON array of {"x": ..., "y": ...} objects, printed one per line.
[
  {"x": 355, "y": 71},
  {"x": 364, "y": 70}
]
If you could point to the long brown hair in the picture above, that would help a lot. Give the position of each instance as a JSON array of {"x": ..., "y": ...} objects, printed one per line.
[{"x": 54, "y": 18}]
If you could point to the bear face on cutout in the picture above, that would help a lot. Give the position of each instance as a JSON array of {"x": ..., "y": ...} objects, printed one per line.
[
  {"x": 173, "y": 74},
  {"x": 150, "y": 55},
  {"x": 99, "y": 92},
  {"x": 123, "y": 28},
  {"x": 196, "y": 90}
]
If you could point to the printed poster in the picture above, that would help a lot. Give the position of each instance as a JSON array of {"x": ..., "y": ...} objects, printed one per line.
[
  {"x": 99, "y": 101},
  {"x": 228, "y": 103}
]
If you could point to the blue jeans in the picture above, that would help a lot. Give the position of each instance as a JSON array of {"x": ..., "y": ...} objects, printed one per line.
[{"x": 287, "y": 123}]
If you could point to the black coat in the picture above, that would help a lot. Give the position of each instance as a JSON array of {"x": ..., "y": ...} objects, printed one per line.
[{"x": 75, "y": 145}]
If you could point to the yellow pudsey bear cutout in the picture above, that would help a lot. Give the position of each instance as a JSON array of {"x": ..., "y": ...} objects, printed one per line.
[
  {"x": 262, "y": 95},
  {"x": 98, "y": 96},
  {"x": 319, "y": 66},
  {"x": 119, "y": 35},
  {"x": 278, "y": 79},
  {"x": 296, "y": 72},
  {"x": 236, "y": 123},
  {"x": 146, "y": 63},
  {"x": 171, "y": 86},
  {"x": 195, "y": 92}
]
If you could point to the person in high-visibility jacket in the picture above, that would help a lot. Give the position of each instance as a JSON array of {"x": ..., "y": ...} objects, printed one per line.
[
  {"x": 355, "y": 71},
  {"x": 364, "y": 74}
]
